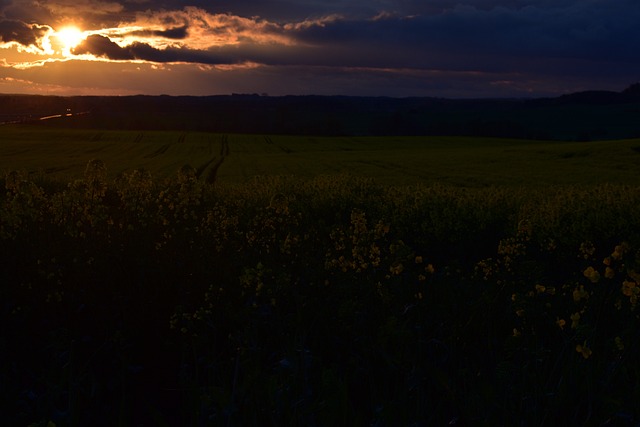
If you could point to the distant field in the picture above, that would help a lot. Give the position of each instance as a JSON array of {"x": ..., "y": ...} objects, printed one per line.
[{"x": 461, "y": 161}]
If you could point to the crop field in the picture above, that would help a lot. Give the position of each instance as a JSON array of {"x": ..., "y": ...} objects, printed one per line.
[
  {"x": 459, "y": 161},
  {"x": 320, "y": 281}
]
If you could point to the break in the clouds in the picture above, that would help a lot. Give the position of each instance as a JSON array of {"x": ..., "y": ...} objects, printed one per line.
[{"x": 381, "y": 47}]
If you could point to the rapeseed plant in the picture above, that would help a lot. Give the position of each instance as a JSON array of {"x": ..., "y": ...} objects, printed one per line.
[
  {"x": 575, "y": 320},
  {"x": 592, "y": 274},
  {"x": 584, "y": 350},
  {"x": 298, "y": 283}
]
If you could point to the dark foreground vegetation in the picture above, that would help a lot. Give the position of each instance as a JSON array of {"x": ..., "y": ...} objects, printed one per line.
[
  {"x": 584, "y": 116},
  {"x": 331, "y": 301}
]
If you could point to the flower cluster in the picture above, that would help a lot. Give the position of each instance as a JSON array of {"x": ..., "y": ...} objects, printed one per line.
[
  {"x": 24, "y": 204},
  {"x": 359, "y": 247},
  {"x": 597, "y": 293}
]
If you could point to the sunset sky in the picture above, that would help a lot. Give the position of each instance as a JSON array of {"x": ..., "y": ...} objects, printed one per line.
[{"x": 443, "y": 48}]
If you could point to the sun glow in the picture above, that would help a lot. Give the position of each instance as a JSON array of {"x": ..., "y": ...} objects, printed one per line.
[{"x": 69, "y": 37}]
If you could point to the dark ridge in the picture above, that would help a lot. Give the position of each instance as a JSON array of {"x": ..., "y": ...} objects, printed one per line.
[{"x": 588, "y": 115}]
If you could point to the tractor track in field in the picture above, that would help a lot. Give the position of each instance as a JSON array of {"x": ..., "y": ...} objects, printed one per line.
[
  {"x": 224, "y": 152},
  {"x": 161, "y": 150},
  {"x": 215, "y": 162},
  {"x": 269, "y": 141},
  {"x": 138, "y": 138}
]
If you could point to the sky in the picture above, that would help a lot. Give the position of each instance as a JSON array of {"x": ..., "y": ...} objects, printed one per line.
[{"x": 399, "y": 48}]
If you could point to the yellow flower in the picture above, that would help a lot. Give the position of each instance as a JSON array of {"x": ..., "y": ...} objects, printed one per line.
[
  {"x": 591, "y": 274},
  {"x": 429, "y": 269},
  {"x": 540, "y": 289},
  {"x": 609, "y": 273},
  {"x": 561, "y": 323},
  {"x": 607, "y": 261},
  {"x": 580, "y": 293},
  {"x": 516, "y": 333},
  {"x": 520, "y": 313},
  {"x": 396, "y": 268},
  {"x": 575, "y": 320},
  {"x": 628, "y": 288},
  {"x": 418, "y": 260},
  {"x": 584, "y": 350},
  {"x": 619, "y": 251},
  {"x": 422, "y": 278}
]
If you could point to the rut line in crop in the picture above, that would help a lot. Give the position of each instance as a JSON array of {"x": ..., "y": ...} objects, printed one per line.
[
  {"x": 200, "y": 170},
  {"x": 138, "y": 138},
  {"x": 224, "y": 152},
  {"x": 163, "y": 149},
  {"x": 269, "y": 141}
]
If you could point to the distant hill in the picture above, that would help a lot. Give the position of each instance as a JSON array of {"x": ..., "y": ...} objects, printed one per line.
[
  {"x": 630, "y": 94},
  {"x": 588, "y": 115}
]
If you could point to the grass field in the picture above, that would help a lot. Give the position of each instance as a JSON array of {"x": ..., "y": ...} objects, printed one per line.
[{"x": 460, "y": 161}]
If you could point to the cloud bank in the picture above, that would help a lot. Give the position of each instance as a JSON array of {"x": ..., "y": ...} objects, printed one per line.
[{"x": 510, "y": 46}]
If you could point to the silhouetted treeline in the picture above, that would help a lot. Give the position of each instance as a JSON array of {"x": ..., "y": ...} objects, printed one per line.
[{"x": 578, "y": 116}]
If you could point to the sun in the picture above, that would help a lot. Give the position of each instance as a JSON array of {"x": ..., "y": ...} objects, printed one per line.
[{"x": 69, "y": 37}]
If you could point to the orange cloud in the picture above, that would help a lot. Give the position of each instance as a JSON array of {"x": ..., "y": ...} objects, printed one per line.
[{"x": 206, "y": 30}]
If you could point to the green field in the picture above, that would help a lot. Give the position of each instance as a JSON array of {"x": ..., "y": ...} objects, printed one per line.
[
  {"x": 499, "y": 286},
  {"x": 460, "y": 161}
]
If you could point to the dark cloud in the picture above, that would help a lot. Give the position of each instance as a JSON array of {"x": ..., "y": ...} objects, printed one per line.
[
  {"x": 88, "y": 14},
  {"x": 583, "y": 30},
  {"x": 102, "y": 46},
  {"x": 145, "y": 52},
  {"x": 177, "y": 33},
  {"x": 280, "y": 11},
  {"x": 25, "y": 11},
  {"x": 22, "y": 33}
]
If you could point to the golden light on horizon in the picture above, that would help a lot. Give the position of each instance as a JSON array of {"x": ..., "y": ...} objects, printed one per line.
[{"x": 69, "y": 37}]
